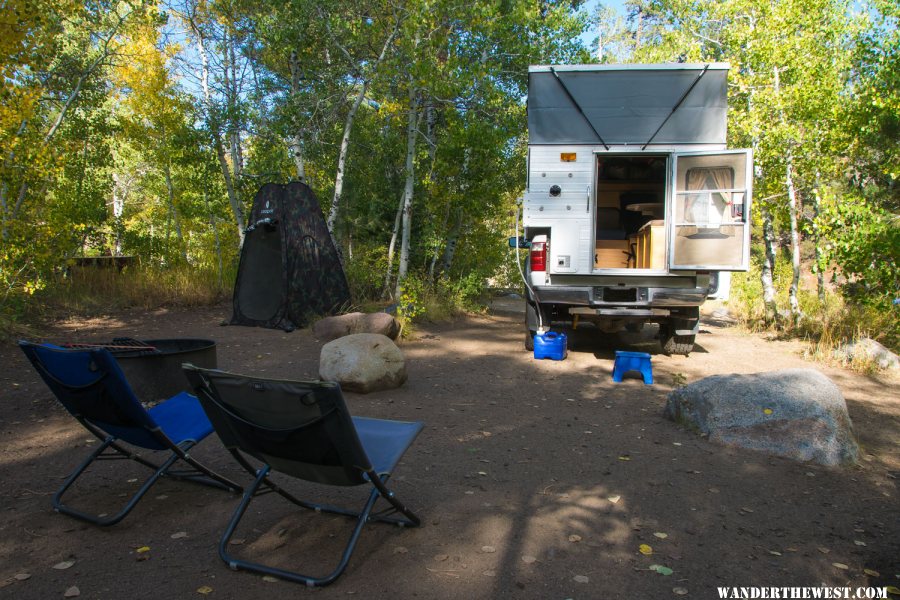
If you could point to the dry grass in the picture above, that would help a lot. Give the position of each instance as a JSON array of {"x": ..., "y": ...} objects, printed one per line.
[
  {"x": 826, "y": 326},
  {"x": 89, "y": 290}
]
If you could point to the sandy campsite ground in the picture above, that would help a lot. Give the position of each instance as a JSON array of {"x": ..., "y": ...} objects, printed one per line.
[{"x": 534, "y": 479}]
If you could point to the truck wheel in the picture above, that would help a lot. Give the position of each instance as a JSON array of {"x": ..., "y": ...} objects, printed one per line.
[
  {"x": 675, "y": 344},
  {"x": 529, "y": 340}
]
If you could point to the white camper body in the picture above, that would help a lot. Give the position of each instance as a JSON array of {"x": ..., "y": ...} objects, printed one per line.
[{"x": 632, "y": 199}]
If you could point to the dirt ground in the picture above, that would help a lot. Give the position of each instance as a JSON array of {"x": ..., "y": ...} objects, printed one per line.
[{"x": 534, "y": 479}]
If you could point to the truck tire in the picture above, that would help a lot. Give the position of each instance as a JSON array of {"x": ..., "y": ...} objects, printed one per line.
[
  {"x": 675, "y": 344},
  {"x": 529, "y": 340}
]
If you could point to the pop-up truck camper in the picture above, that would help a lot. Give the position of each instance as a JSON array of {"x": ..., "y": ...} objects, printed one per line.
[{"x": 632, "y": 201}]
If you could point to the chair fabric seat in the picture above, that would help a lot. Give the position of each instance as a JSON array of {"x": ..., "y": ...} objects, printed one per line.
[
  {"x": 385, "y": 441},
  {"x": 182, "y": 418}
]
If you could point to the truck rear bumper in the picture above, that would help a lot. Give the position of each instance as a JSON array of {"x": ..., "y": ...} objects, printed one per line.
[{"x": 622, "y": 297}]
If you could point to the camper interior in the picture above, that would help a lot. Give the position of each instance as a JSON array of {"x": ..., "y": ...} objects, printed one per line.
[{"x": 630, "y": 228}]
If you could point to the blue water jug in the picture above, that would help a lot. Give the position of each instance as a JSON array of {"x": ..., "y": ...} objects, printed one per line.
[{"x": 550, "y": 345}]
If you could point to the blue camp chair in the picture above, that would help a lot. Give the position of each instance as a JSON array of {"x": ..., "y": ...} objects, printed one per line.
[
  {"x": 303, "y": 429},
  {"x": 92, "y": 387}
]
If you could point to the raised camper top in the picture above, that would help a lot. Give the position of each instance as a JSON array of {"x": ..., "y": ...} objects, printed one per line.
[{"x": 635, "y": 106}]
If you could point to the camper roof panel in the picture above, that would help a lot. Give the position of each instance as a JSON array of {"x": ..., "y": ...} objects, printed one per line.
[{"x": 581, "y": 105}]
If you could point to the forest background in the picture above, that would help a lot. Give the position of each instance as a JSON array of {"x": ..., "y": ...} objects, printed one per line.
[{"x": 145, "y": 129}]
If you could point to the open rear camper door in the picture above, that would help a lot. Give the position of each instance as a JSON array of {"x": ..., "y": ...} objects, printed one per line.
[{"x": 709, "y": 215}]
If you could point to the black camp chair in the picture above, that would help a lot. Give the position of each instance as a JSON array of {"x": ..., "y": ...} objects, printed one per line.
[
  {"x": 92, "y": 387},
  {"x": 303, "y": 429}
]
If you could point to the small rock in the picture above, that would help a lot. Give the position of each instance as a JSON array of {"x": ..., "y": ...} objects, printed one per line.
[{"x": 868, "y": 350}]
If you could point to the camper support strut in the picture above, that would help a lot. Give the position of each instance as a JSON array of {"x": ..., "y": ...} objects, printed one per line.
[
  {"x": 578, "y": 106},
  {"x": 677, "y": 105}
]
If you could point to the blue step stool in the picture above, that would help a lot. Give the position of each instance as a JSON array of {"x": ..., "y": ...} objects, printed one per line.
[{"x": 632, "y": 361}]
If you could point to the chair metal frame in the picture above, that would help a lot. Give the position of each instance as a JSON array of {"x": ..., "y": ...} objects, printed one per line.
[
  {"x": 263, "y": 484},
  {"x": 111, "y": 448}
]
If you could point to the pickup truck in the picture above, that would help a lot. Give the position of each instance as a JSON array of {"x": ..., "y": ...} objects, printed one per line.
[{"x": 632, "y": 201}]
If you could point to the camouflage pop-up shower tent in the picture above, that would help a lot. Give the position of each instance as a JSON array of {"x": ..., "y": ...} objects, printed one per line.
[{"x": 289, "y": 270}]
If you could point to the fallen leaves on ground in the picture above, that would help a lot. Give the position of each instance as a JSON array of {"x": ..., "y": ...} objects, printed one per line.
[
  {"x": 645, "y": 549},
  {"x": 574, "y": 538},
  {"x": 64, "y": 565},
  {"x": 528, "y": 559},
  {"x": 581, "y": 579},
  {"x": 72, "y": 592},
  {"x": 204, "y": 590},
  {"x": 660, "y": 535},
  {"x": 661, "y": 569}
]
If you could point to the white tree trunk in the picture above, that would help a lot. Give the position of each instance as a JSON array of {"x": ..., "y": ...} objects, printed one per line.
[
  {"x": 408, "y": 189},
  {"x": 768, "y": 267},
  {"x": 119, "y": 192},
  {"x": 296, "y": 146},
  {"x": 796, "y": 314},
  {"x": 342, "y": 162},
  {"x": 817, "y": 239},
  {"x": 345, "y": 142},
  {"x": 215, "y": 132},
  {"x": 234, "y": 125},
  {"x": 450, "y": 247},
  {"x": 392, "y": 247}
]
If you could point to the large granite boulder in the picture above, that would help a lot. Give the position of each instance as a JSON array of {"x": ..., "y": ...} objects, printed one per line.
[
  {"x": 331, "y": 328},
  {"x": 363, "y": 362},
  {"x": 796, "y": 413}
]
